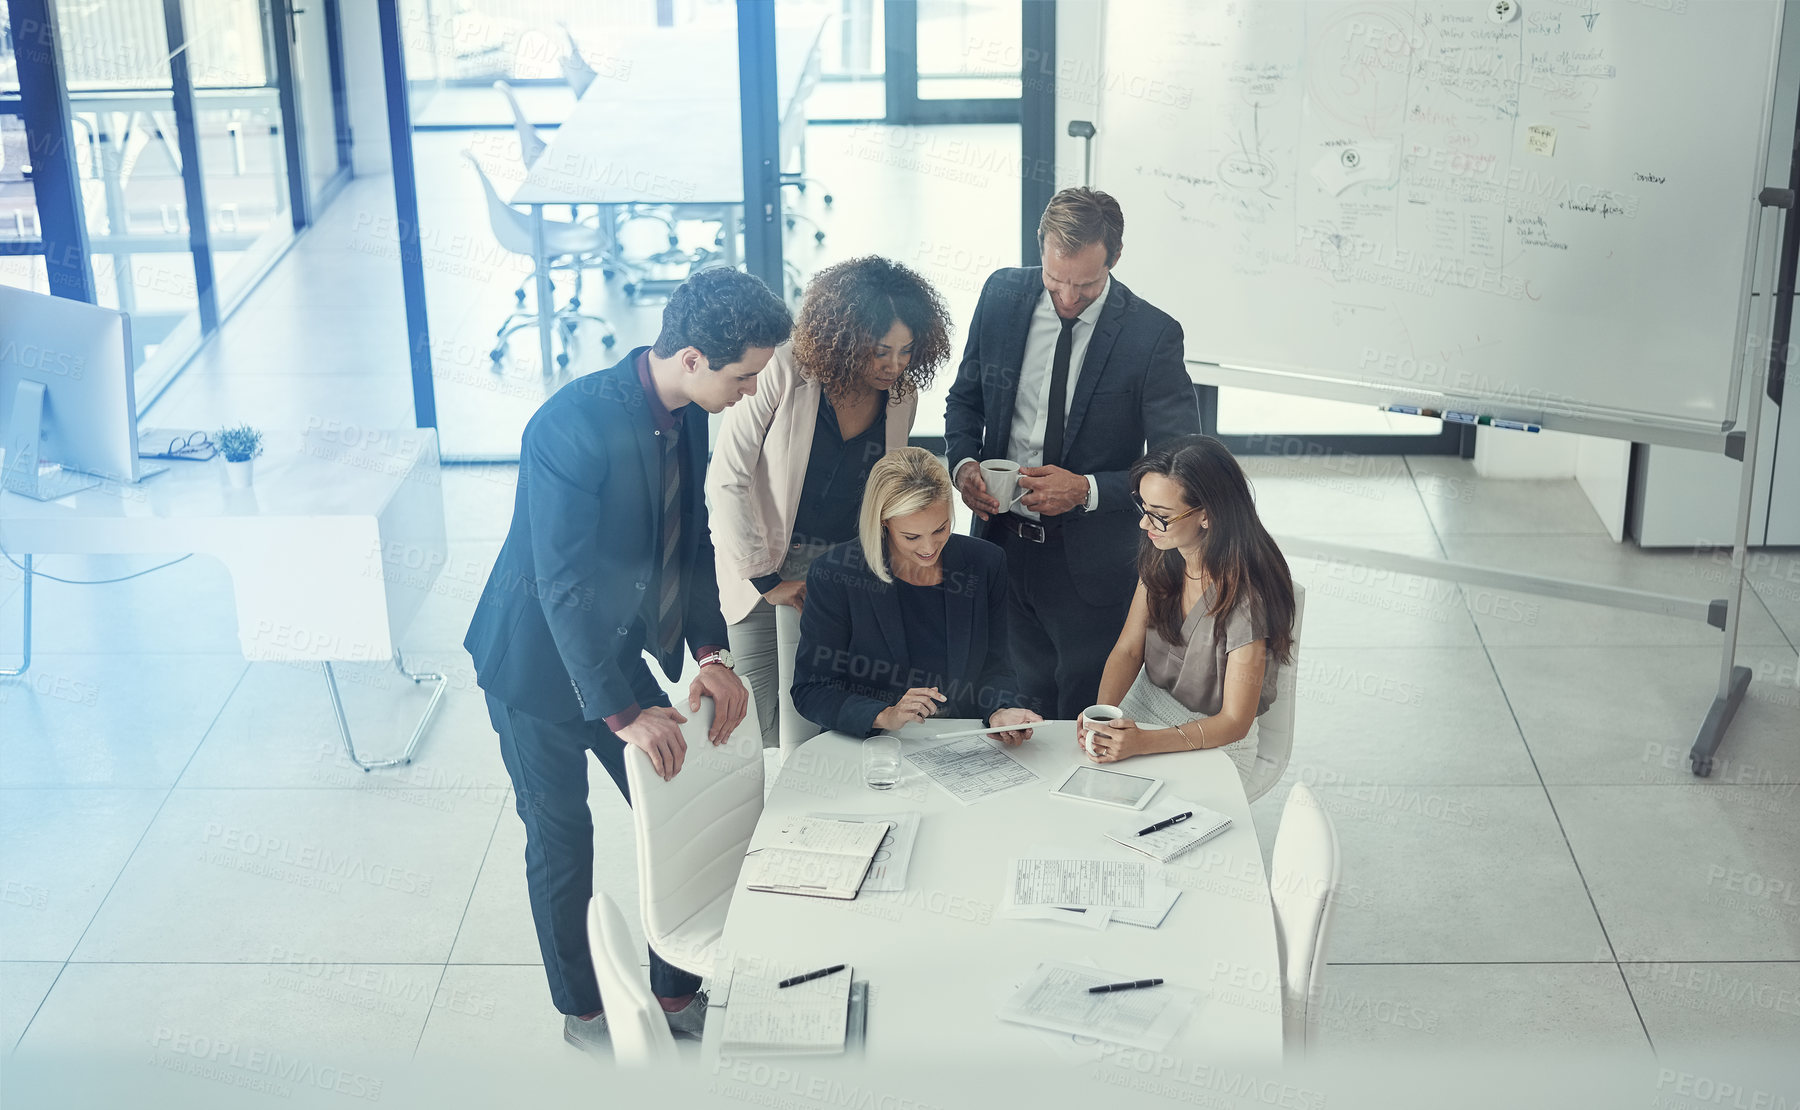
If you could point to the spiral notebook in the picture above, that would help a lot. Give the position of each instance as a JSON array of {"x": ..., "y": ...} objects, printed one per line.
[{"x": 1165, "y": 844}]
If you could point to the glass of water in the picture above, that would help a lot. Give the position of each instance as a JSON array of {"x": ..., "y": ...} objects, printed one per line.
[{"x": 881, "y": 762}]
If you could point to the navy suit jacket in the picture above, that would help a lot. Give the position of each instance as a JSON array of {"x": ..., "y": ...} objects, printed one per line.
[
  {"x": 561, "y": 627},
  {"x": 851, "y": 664},
  {"x": 1134, "y": 393}
]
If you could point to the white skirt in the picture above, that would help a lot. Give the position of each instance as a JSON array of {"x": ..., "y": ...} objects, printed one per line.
[{"x": 1150, "y": 704}]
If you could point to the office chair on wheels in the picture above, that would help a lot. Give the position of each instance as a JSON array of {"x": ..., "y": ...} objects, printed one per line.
[{"x": 562, "y": 240}]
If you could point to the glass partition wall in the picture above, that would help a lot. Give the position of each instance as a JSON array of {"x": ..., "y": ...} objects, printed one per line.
[
  {"x": 181, "y": 142},
  {"x": 604, "y": 124},
  {"x": 613, "y": 130}
]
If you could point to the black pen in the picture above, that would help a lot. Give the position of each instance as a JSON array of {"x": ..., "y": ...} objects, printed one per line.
[
  {"x": 1175, "y": 820},
  {"x": 811, "y": 975},
  {"x": 1131, "y": 986}
]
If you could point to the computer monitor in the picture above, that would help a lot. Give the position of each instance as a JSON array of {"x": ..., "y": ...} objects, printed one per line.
[{"x": 66, "y": 394}]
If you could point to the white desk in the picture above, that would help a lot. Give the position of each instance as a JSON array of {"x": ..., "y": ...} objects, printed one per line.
[
  {"x": 664, "y": 128},
  {"x": 940, "y": 959},
  {"x": 331, "y": 551}
]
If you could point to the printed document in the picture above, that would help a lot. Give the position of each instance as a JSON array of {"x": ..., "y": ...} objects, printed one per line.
[
  {"x": 972, "y": 770},
  {"x": 1110, "y": 883}
]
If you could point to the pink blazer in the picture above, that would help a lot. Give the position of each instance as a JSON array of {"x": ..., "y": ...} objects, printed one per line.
[{"x": 758, "y": 465}]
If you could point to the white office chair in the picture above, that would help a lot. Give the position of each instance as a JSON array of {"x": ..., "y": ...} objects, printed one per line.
[
  {"x": 634, "y": 1020},
  {"x": 791, "y": 136},
  {"x": 692, "y": 832},
  {"x": 575, "y": 69},
  {"x": 1303, "y": 881},
  {"x": 1275, "y": 729},
  {"x": 512, "y": 228},
  {"x": 530, "y": 144}
]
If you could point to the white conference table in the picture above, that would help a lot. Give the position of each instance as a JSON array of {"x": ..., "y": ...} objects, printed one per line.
[
  {"x": 939, "y": 957},
  {"x": 659, "y": 126},
  {"x": 332, "y": 549}
]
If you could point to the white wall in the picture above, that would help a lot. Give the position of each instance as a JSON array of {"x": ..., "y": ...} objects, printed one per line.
[
  {"x": 368, "y": 97},
  {"x": 1078, "y": 48},
  {"x": 1600, "y": 466},
  {"x": 1603, "y": 470},
  {"x": 1500, "y": 453}
]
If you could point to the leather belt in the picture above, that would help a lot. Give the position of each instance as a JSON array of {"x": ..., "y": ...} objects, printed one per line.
[{"x": 1036, "y": 531}]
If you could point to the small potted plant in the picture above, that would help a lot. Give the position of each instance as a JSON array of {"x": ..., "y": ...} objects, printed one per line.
[{"x": 240, "y": 446}]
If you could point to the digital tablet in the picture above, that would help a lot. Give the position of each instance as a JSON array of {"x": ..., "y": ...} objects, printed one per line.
[{"x": 1109, "y": 788}]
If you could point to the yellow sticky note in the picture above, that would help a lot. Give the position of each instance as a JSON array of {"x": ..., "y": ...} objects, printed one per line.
[{"x": 1540, "y": 139}]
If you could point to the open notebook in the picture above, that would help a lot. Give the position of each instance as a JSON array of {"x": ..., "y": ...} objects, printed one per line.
[
  {"x": 765, "y": 1019},
  {"x": 815, "y": 856}
]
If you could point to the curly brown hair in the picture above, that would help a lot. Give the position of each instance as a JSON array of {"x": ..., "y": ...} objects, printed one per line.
[{"x": 849, "y": 307}]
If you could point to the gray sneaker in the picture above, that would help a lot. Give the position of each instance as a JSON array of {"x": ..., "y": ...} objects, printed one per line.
[
  {"x": 588, "y": 1036},
  {"x": 690, "y": 1020}
]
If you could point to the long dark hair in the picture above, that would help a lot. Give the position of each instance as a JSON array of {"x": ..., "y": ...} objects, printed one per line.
[{"x": 1236, "y": 552}]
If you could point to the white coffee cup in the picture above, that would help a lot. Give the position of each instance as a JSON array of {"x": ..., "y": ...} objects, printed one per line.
[
  {"x": 1095, "y": 714},
  {"x": 1002, "y": 478}
]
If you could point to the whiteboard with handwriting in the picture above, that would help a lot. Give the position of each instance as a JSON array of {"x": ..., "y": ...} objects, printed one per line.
[{"x": 1548, "y": 212}]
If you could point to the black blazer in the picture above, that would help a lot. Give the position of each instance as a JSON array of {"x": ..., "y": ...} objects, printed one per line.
[
  {"x": 561, "y": 627},
  {"x": 1134, "y": 393},
  {"x": 851, "y": 664}
]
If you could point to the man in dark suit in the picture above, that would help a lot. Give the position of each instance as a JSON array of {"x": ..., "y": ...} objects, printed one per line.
[
  {"x": 609, "y": 555},
  {"x": 1072, "y": 376}
]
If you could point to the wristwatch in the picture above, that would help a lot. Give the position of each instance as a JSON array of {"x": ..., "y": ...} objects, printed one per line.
[{"x": 722, "y": 657}]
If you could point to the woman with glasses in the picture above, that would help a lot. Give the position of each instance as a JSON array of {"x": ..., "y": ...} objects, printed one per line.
[
  {"x": 787, "y": 473},
  {"x": 908, "y": 621},
  {"x": 1212, "y": 619}
]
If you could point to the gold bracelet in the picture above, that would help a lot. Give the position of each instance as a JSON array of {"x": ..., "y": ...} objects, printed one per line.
[{"x": 1181, "y": 729}]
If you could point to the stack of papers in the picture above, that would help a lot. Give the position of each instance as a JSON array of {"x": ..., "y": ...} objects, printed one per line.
[
  {"x": 972, "y": 770},
  {"x": 1165, "y": 844},
  {"x": 1077, "y": 882},
  {"x": 1056, "y": 997},
  {"x": 815, "y": 856},
  {"x": 763, "y": 1018},
  {"x": 1090, "y": 893}
]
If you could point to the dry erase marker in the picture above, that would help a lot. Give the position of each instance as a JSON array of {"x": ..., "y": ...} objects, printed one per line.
[
  {"x": 811, "y": 975},
  {"x": 1509, "y": 425},
  {"x": 1136, "y": 984},
  {"x": 1455, "y": 417},
  {"x": 1409, "y": 410}
]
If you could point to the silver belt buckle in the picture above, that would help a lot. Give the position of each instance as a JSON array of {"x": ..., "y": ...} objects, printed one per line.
[{"x": 1028, "y": 527}]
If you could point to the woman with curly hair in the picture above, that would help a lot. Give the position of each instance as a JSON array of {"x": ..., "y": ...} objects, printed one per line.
[{"x": 788, "y": 470}]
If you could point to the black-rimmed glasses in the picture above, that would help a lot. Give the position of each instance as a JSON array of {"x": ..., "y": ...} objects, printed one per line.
[{"x": 1163, "y": 524}]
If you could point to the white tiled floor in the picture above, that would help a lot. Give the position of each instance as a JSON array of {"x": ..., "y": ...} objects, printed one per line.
[{"x": 1527, "y": 862}]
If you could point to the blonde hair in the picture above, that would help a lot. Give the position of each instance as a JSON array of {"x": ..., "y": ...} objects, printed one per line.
[
  {"x": 901, "y": 483},
  {"x": 1079, "y": 216}
]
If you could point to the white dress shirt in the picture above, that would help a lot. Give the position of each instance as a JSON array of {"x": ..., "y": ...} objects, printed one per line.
[{"x": 1031, "y": 408}]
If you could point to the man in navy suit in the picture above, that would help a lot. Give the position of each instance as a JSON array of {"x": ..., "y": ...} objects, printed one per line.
[
  {"x": 1072, "y": 376},
  {"x": 608, "y": 556}
]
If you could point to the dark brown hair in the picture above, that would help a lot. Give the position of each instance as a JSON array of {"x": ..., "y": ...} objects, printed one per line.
[
  {"x": 722, "y": 313},
  {"x": 1237, "y": 553},
  {"x": 1079, "y": 216},
  {"x": 849, "y": 307}
]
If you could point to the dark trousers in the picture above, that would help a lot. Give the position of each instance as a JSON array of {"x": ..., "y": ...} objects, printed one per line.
[
  {"x": 548, "y": 764},
  {"x": 1060, "y": 641}
]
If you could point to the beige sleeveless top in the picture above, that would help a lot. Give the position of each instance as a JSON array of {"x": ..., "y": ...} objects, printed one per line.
[{"x": 1194, "y": 673}]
